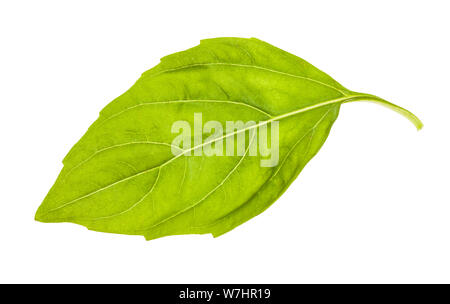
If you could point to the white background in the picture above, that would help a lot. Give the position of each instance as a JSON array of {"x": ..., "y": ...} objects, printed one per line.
[{"x": 372, "y": 206}]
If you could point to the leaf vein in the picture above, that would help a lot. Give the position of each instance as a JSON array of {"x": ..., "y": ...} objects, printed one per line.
[
  {"x": 245, "y": 66},
  {"x": 133, "y": 206},
  {"x": 185, "y": 101},
  {"x": 209, "y": 193},
  {"x": 119, "y": 146},
  {"x": 280, "y": 117},
  {"x": 271, "y": 177}
]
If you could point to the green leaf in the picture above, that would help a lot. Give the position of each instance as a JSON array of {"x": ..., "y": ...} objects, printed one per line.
[{"x": 122, "y": 176}]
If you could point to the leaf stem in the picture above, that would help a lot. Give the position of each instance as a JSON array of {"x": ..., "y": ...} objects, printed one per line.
[{"x": 375, "y": 99}]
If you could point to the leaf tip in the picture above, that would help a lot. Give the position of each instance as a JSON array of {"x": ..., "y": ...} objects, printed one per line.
[
  {"x": 41, "y": 215},
  {"x": 38, "y": 217}
]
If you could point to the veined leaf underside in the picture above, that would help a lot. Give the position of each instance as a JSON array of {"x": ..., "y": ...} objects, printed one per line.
[
  {"x": 135, "y": 195},
  {"x": 339, "y": 100}
]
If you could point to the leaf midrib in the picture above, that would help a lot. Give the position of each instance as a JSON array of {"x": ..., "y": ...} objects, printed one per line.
[{"x": 279, "y": 117}]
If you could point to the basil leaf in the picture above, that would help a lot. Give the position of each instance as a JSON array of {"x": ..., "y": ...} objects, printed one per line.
[{"x": 123, "y": 177}]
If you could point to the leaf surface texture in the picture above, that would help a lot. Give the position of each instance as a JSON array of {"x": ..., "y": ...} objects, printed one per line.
[{"x": 122, "y": 176}]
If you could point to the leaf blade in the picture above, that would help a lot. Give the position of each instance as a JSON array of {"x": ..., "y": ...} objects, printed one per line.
[{"x": 121, "y": 177}]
